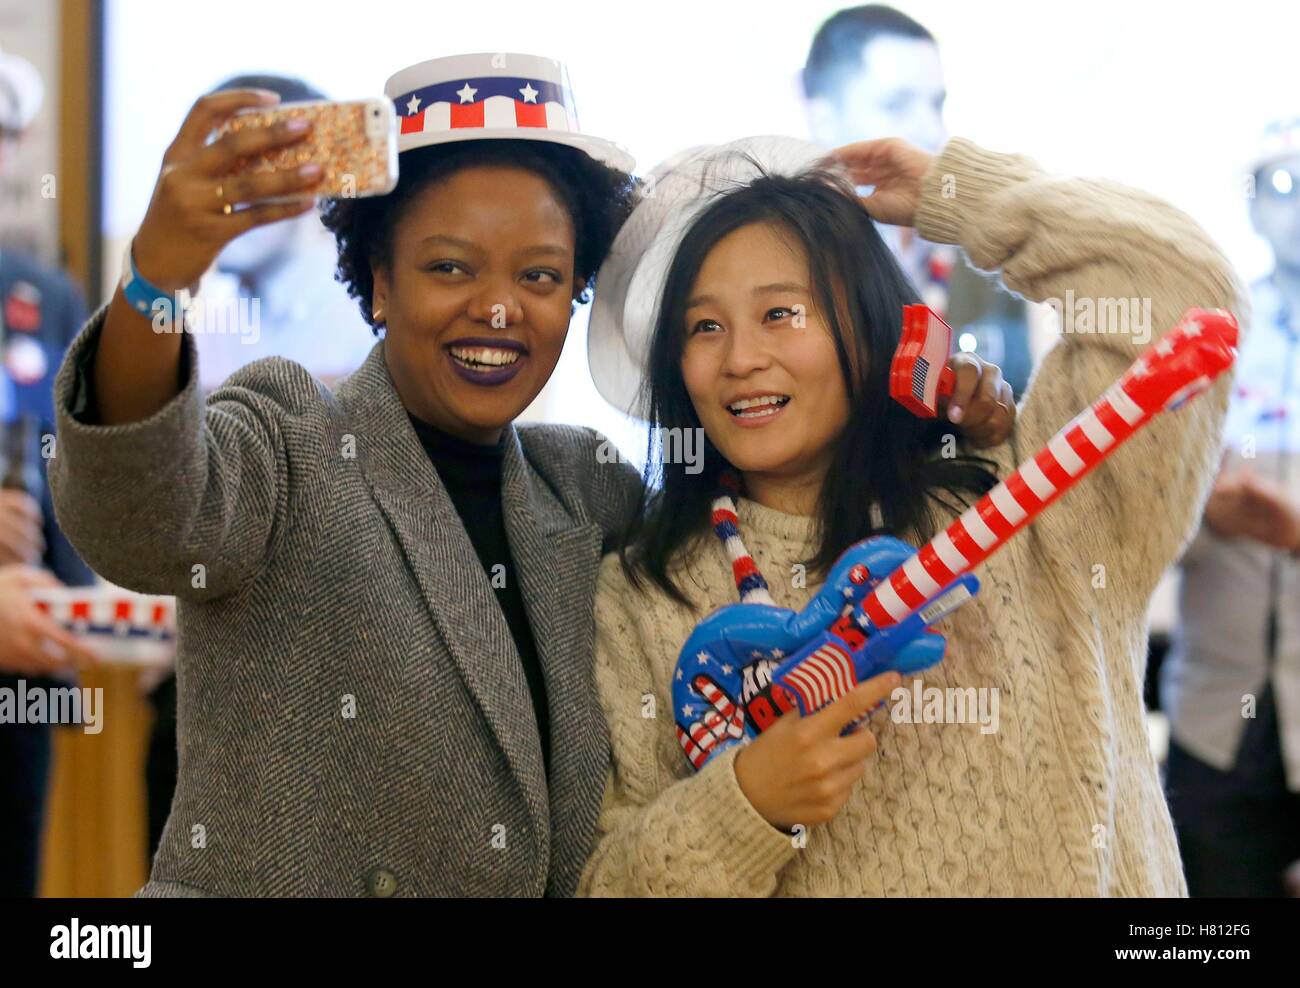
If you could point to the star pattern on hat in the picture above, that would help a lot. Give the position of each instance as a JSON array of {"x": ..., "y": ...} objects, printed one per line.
[
  {"x": 466, "y": 93},
  {"x": 530, "y": 94},
  {"x": 413, "y": 107}
]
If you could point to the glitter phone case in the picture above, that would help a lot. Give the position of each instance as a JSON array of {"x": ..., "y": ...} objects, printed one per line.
[{"x": 355, "y": 142}]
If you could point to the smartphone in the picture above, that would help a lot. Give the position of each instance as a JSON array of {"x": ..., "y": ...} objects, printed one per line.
[{"x": 355, "y": 142}]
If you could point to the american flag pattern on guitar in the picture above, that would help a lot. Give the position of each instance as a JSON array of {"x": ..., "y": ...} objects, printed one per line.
[
  {"x": 822, "y": 677},
  {"x": 1183, "y": 363},
  {"x": 724, "y": 721}
]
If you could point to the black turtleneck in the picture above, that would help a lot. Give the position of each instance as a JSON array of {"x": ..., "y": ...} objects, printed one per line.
[{"x": 471, "y": 472}]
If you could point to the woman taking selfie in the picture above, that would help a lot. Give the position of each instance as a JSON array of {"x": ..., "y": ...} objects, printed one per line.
[
  {"x": 386, "y": 589},
  {"x": 779, "y": 311}
]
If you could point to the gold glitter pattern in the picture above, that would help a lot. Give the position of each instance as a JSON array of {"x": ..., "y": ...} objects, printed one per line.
[{"x": 354, "y": 163}]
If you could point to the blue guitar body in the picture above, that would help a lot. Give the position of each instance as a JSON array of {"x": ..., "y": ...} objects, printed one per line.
[{"x": 747, "y": 664}]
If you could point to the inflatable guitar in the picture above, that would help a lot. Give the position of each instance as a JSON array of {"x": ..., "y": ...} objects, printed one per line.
[{"x": 746, "y": 664}]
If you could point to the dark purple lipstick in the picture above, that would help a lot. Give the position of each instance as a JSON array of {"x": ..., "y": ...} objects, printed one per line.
[{"x": 486, "y": 361}]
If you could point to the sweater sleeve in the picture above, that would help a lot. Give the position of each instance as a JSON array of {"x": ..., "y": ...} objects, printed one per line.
[
  {"x": 1134, "y": 264},
  {"x": 188, "y": 501},
  {"x": 665, "y": 830}
]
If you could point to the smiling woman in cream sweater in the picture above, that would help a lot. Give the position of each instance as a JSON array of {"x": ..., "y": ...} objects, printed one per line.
[{"x": 1063, "y": 798}]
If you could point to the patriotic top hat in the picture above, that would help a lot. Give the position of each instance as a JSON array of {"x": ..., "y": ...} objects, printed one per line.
[
  {"x": 631, "y": 281},
  {"x": 493, "y": 96}
]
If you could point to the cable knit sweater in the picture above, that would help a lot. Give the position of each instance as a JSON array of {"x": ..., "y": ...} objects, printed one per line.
[{"x": 1064, "y": 798}]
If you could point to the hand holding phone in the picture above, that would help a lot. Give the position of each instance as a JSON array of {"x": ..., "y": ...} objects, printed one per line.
[
  {"x": 201, "y": 202},
  {"x": 354, "y": 143},
  {"x": 240, "y": 161}
]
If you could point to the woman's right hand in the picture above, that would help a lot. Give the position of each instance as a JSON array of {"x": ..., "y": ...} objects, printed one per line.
[
  {"x": 184, "y": 229},
  {"x": 895, "y": 169},
  {"x": 800, "y": 771},
  {"x": 186, "y": 225}
]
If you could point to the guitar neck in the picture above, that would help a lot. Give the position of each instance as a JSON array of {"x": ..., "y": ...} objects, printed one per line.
[{"x": 1184, "y": 362}]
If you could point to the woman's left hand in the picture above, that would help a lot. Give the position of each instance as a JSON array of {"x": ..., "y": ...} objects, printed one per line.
[
  {"x": 895, "y": 169},
  {"x": 982, "y": 403}
]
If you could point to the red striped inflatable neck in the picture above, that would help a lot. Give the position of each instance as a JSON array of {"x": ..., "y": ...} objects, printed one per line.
[{"x": 1183, "y": 363}]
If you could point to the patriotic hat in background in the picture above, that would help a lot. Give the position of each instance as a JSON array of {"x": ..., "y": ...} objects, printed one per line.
[
  {"x": 120, "y": 625},
  {"x": 493, "y": 96},
  {"x": 631, "y": 281}
]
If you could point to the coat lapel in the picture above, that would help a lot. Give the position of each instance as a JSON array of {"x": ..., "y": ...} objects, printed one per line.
[
  {"x": 557, "y": 562},
  {"x": 451, "y": 578}
]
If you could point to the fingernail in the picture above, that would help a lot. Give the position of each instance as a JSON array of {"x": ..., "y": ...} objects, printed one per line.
[
  {"x": 298, "y": 124},
  {"x": 309, "y": 170},
  {"x": 954, "y": 413}
]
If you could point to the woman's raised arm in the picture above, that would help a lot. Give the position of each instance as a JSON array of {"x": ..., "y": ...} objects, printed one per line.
[
  {"x": 155, "y": 491},
  {"x": 1122, "y": 266},
  {"x": 190, "y": 218}
]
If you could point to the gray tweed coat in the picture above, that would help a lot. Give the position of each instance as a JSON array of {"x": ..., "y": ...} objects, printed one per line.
[{"x": 353, "y": 716}]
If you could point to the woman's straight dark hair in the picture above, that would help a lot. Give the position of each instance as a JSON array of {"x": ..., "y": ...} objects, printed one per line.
[{"x": 885, "y": 455}]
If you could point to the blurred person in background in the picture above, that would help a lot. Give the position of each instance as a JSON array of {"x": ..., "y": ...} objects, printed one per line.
[
  {"x": 872, "y": 72},
  {"x": 304, "y": 315},
  {"x": 1231, "y": 684},
  {"x": 40, "y": 311}
]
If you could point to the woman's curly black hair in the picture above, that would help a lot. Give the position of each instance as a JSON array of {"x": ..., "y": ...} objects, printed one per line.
[{"x": 598, "y": 198}]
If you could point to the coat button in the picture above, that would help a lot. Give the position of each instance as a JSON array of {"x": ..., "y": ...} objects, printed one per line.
[{"x": 381, "y": 883}]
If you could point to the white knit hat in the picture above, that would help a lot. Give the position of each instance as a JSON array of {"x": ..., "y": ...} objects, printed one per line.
[
  {"x": 631, "y": 281},
  {"x": 21, "y": 92}
]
